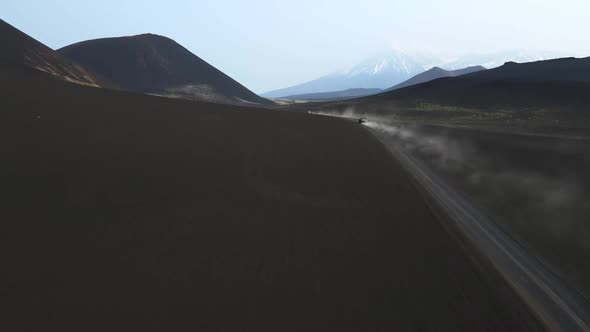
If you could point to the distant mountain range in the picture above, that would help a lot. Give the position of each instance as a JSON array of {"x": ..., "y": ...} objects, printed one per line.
[
  {"x": 429, "y": 75},
  {"x": 158, "y": 65},
  {"x": 388, "y": 69},
  {"x": 22, "y": 50}
]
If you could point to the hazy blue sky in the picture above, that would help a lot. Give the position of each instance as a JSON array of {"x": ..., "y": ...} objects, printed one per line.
[{"x": 268, "y": 44}]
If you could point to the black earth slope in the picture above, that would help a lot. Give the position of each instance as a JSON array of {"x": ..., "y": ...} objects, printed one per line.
[
  {"x": 125, "y": 212},
  {"x": 19, "y": 49}
]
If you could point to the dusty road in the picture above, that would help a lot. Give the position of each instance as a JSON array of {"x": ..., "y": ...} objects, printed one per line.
[{"x": 559, "y": 306}]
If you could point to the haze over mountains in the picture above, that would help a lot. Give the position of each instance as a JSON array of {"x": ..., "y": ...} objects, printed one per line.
[
  {"x": 349, "y": 93},
  {"x": 378, "y": 72},
  {"x": 155, "y": 64},
  {"x": 426, "y": 76},
  {"x": 388, "y": 69}
]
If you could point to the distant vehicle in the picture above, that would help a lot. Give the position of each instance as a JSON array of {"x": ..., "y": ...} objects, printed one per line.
[{"x": 362, "y": 120}]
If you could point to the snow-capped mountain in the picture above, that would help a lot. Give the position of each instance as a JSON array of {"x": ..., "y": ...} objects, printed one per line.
[
  {"x": 380, "y": 71},
  {"x": 391, "y": 63},
  {"x": 390, "y": 68}
]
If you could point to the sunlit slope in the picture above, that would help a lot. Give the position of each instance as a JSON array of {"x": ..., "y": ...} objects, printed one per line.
[{"x": 19, "y": 49}]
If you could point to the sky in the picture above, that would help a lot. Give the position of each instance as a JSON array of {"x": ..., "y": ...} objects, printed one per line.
[{"x": 271, "y": 44}]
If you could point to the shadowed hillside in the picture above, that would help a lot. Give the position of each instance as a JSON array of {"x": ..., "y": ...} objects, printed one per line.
[{"x": 154, "y": 64}]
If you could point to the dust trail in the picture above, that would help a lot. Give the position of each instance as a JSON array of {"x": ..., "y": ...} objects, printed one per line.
[
  {"x": 349, "y": 112},
  {"x": 541, "y": 200},
  {"x": 558, "y": 305}
]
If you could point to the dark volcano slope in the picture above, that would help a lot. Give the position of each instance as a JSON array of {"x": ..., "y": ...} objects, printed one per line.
[
  {"x": 565, "y": 69},
  {"x": 155, "y": 64},
  {"x": 436, "y": 73},
  {"x": 19, "y": 49},
  {"x": 130, "y": 212},
  {"x": 560, "y": 84}
]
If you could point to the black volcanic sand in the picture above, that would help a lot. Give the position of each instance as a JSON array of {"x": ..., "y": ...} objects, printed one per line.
[{"x": 123, "y": 212}]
